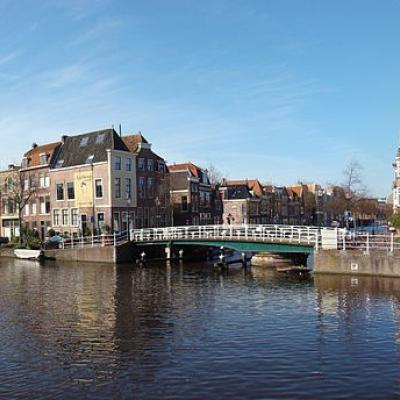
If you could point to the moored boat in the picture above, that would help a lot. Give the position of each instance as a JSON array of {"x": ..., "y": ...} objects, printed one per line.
[{"x": 28, "y": 254}]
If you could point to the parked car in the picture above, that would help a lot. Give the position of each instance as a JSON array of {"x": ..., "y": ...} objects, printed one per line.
[{"x": 4, "y": 240}]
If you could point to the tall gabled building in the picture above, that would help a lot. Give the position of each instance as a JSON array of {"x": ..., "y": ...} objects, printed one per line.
[
  {"x": 93, "y": 184},
  {"x": 153, "y": 197},
  {"x": 35, "y": 174},
  {"x": 191, "y": 195}
]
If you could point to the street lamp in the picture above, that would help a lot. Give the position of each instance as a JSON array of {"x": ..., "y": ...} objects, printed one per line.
[{"x": 128, "y": 205}]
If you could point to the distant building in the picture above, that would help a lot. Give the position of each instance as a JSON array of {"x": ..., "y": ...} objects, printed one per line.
[
  {"x": 9, "y": 212},
  {"x": 244, "y": 202},
  {"x": 191, "y": 195},
  {"x": 396, "y": 183}
]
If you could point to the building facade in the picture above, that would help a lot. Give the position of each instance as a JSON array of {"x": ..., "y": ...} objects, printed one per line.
[
  {"x": 93, "y": 184},
  {"x": 9, "y": 215},
  {"x": 191, "y": 195},
  {"x": 153, "y": 192},
  {"x": 35, "y": 174}
]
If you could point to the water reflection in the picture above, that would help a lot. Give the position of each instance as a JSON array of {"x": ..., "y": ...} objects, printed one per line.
[{"x": 187, "y": 331}]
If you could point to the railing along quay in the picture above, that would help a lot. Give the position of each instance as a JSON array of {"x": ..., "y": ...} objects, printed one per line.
[{"x": 319, "y": 238}]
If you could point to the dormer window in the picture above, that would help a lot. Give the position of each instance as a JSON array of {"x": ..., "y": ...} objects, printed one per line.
[
  {"x": 44, "y": 158},
  {"x": 60, "y": 163},
  {"x": 24, "y": 163},
  {"x": 84, "y": 141},
  {"x": 89, "y": 160},
  {"x": 100, "y": 138}
]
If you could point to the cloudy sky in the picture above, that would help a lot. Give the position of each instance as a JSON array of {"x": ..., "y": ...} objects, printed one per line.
[{"x": 279, "y": 90}]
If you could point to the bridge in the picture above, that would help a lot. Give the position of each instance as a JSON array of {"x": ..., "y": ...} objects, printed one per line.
[
  {"x": 251, "y": 238},
  {"x": 331, "y": 247}
]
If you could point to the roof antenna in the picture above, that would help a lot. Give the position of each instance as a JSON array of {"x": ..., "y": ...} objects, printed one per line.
[
  {"x": 120, "y": 130},
  {"x": 112, "y": 126}
]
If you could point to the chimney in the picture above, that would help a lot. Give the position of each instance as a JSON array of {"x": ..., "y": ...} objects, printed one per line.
[
  {"x": 34, "y": 145},
  {"x": 63, "y": 138},
  {"x": 120, "y": 130}
]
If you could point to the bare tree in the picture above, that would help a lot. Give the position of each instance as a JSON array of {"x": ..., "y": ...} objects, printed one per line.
[
  {"x": 215, "y": 176},
  {"x": 352, "y": 179},
  {"x": 18, "y": 191}
]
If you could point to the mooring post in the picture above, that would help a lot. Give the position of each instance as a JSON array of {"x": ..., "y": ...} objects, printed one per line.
[{"x": 168, "y": 252}]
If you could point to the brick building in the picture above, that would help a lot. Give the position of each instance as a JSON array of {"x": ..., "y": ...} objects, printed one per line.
[
  {"x": 192, "y": 195},
  {"x": 35, "y": 173},
  {"x": 153, "y": 197}
]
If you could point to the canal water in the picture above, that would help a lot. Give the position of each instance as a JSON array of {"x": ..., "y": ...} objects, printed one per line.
[{"x": 189, "y": 332}]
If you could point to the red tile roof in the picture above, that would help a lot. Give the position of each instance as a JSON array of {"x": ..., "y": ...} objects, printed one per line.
[
  {"x": 132, "y": 141},
  {"x": 33, "y": 155},
  {"x": 194, "y": 169}
]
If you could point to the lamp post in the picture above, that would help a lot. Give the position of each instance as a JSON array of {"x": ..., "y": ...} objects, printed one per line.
[
  {"x": 128, "y": 205},
  {"x": 93, "y": 206}
]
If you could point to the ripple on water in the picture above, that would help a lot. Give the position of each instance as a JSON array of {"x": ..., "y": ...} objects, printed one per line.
[{"x": 181, "y": 332}]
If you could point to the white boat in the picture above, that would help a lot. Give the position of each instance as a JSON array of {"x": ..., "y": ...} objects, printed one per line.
[{"x": 28, "y": 254}]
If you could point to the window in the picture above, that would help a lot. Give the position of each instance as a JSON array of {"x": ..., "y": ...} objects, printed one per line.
[
  {"x": 141, "y": 186},
  {"x": 117, "y": 188},
  {"x": 89, "y": 160},
  {"x": 46, "y": 181},
  {"x": 33, "y": 207},
  {"x": 184, "y": 203},
  {"x": 47, "y": 204},
  {"x": 56, "y": 217},
  {"x": 100, "y": 138},
  {"x": 141, "y": 164},
  {"x": 150, "y": 165},
  {"x": 74, "y": 217},
  {"x": 160, "y": 167},
  {"x": 44, "y": 159},
  {"x": 59, "y": 163},
  {"x": 117, "y": 163},
  {"x": 65, "y": 215},
  {"x": 60, "y": 191},
  {"x": 128, "y": 188},
  {"x": 42, "y": 205},
  {"x": 70, "y": 190},
  {"x": 26, "y": 184},
  {"x": 129, "y": 164},
  {"x": 33, "y": 181},
  {"x": 26, "y": 209},
  {"x": 24, "y": 163},
  {"x": 84, "y": 141},
  {"x": 99, "y": 188},
  {"x": 150, "y": 187}
]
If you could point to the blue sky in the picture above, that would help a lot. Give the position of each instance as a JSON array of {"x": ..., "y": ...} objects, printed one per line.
[{"x": 279, "y": 90}]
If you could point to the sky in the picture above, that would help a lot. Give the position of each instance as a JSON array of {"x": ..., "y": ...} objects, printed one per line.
[{"x": 282, "y": 90}]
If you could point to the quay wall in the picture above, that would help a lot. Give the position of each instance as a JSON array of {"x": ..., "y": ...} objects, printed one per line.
[{"x": 355, "y": 262}]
